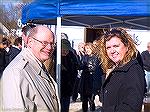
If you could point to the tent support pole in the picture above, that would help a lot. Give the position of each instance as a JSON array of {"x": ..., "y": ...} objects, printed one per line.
[{"x": 58, "y": 60}]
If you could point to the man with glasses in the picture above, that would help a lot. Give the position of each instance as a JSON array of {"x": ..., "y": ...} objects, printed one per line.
[
  {"x": 27, "y": 86},
  {"x": 146, "y": 63}
]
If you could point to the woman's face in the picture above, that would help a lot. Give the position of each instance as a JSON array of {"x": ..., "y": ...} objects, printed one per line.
[
  {"x": 81, "y": 47},
  {"x": 88, "y": 50},
  {"x": 116, "y": 50}
]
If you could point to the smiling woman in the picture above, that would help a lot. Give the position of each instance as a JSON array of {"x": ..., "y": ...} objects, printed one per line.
[{"x": 121, "y": 85}]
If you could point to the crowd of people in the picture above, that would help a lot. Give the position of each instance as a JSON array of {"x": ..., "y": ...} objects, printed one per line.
[
  {"x": 108, "y": 67},
  {"x": 9, "y": 51}
]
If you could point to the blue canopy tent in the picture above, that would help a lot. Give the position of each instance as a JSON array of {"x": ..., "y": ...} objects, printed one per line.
[{"x": 133, "y": 14}]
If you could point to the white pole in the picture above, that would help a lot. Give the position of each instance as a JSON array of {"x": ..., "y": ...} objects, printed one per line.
[{"x": 58, "y": 60}]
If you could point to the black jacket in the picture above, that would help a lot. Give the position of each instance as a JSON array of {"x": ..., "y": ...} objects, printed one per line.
[
  {"x": 11, "y": 54},
  {"x": 2, "y": 60},
  {"x": 123, "y": 90},
  {"x": 146, "y": 60},
  {"x": 68, "y": 74},
  {"x": 91, "y": 78}
]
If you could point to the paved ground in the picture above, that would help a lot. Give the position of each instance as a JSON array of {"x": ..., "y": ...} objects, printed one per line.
[{"x": 77, "y": 106}]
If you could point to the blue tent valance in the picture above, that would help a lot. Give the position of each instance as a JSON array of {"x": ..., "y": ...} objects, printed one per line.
[{"x": 90, "y": 13}]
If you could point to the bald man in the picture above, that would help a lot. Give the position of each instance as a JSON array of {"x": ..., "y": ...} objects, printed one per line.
[{"x": 26, "y": 84}]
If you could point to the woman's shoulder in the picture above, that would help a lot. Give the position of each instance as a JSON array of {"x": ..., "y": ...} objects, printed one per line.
[
  {"x": 134, "y": 68},
  {"x": 133, "y": 63}
]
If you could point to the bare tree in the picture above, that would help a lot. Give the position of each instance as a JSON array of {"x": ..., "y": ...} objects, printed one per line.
[{"x": 10, "y": 13}]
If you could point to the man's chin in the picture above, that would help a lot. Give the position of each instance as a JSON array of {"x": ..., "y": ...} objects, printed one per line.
[{"x": 46, "y": 57}]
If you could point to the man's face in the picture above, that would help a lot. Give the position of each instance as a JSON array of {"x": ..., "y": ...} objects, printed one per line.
[
  {"x": 42, "y": 45},
  {"x": 148, "y": 47}
]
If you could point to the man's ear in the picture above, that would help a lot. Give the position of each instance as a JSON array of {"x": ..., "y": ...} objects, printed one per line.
[{"x": 29, "y": 41}]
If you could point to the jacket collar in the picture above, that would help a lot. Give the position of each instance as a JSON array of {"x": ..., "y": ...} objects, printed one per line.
[
  {"x": 126, "y": 66},
  {"x": 37, "y": 65}
]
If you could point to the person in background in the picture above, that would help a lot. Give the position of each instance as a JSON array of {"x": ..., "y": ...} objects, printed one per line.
[
  {"x": 64, "y": 36},
  {"x": 15, "y": 49},
  {"x": 124, "y": 79},
  {"x": 68, "y": 74},
  {"x": 81, "y": 50},
  {"x": 18, "y": 43},
  {"x": 77, "y": 87},
  {"x": 6, "y": 45},
  {"x": 2, "y": 58},
  {"x": 91, "y": 78},
  {"x": 26, "y": 85},
  {"x": 95, "y": 42},
  {"x": 11, "y": 50},
  {"x": 146, "y": 64}
]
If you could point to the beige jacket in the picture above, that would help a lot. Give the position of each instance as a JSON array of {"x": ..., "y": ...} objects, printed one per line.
[{"x": 26, "y": 87}]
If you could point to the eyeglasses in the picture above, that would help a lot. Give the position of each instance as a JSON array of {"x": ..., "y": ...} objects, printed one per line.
[{"x": 44, "y": 43}]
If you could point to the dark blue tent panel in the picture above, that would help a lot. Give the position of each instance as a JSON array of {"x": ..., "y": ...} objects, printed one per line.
[
  {"x": 106, "y": 8},
  {"x": 90, "y": 13},
  {"x": 38, "y": 11}
]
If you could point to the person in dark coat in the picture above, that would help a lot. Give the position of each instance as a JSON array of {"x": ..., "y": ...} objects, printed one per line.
[
  {"x": 146, "y": 64},
  {"x": 6, "y": 46},
  {"x": 15, "y": 49},
  {"x": 2, "y": 59},
  {"x": 90, "y": 78},
  {"x": 123, "y": 84},
  {"x": 11, "y": 50},
  {"x": 79, "y": 55},
  {"x": 68, "y": 74}
]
